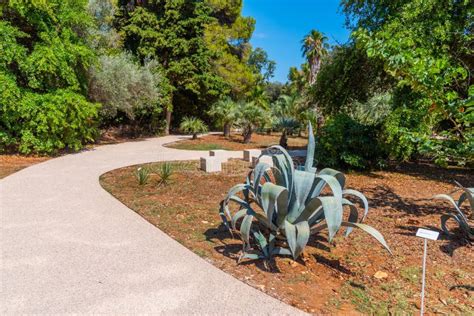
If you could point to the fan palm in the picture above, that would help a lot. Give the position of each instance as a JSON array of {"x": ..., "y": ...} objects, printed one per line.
[
  {"x": 225, "y": 111},
  {"x": 314, "y": 47},
  {"x": 193, "y": 125}
]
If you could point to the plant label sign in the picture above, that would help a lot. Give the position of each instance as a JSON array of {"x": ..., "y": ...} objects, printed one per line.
[{"x": 427, "y": 234}]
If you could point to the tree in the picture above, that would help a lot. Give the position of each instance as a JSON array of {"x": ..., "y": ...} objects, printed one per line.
[
  {"x": 192, "y": 125},
  {"x": 43, "y": 62},
  {"x": 225, "y": 112},
  {"x": 172, "y": 32},
  {"x": 427, "y": 46},
  {"x": 251, "y": 116},
  {"x": 261, "y": 65},
  {"x": 314, "y": 47}
]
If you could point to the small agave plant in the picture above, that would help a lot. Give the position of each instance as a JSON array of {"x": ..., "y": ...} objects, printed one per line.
[
  {"x": 459, "y": 216},
  {"x": 280, "y": 206}
]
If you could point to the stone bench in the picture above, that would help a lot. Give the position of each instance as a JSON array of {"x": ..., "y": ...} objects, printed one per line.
[{"x": 211, "y": 164}]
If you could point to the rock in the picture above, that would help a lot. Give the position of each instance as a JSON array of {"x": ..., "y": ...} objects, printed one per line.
[{"x": 380, "y": 275}]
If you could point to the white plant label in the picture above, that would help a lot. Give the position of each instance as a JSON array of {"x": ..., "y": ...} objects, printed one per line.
[{"x": 427, "y": 234}]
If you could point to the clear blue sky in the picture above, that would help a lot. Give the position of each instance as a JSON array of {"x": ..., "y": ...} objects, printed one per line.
[{"x": 281, "y": 24}]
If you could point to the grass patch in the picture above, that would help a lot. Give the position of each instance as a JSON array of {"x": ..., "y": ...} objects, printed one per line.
[
  {"x": 412, "y": 274},
  {"x": 198, "y": 146}
]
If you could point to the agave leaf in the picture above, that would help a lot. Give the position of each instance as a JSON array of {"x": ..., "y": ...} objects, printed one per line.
[
  {"x": 259, "y": 171},
  {"x": 332, "y": 213},
  {"x": 262, "y": 242},
  {"x": 281, "y": 251},
  {"x": 251, "y": 256},
  {"x": 303, "y": 184},
  {"x": 361, "y": 197},
  {"x": 311, "y": 207},
  {"x": 297, "y": 236},
  {"x": 245, "y": 231},
  {"x": 368, "y": 229},
  {"x": 290, "y": 233},
  {"x": 353, "y": 215},
  {"x": 274, "y": 196},
  {"x": 450, "y": 199},
  {"x": 308, "y": 165},
  {"x": 241, "y": 213}
]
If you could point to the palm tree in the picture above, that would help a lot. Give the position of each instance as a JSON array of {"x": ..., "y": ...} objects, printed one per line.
[
  {"x": 287, "y": 111},
  {"x": 225, "y": 112},
  {"x": 193, "y": 125},
  {"x": 314, "y": 47},
  {"x": 250, "y": 117}
]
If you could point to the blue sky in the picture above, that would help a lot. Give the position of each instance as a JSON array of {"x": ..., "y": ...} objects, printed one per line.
[{"x": 281, "y": 24}]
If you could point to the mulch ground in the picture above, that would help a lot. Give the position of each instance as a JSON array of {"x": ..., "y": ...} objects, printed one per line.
[
  {"x": 12, "y": 163},
  {"x": 333, "y": 278}
]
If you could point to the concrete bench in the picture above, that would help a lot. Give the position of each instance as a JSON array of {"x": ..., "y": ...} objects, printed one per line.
[
  {"x": 249, "y": 153},
  {"x": 211, "y": 164}
]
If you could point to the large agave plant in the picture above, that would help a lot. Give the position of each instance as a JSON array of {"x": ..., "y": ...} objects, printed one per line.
[
  {"x": 459, "y": 216},
  {"x": 280, "y": 206}
]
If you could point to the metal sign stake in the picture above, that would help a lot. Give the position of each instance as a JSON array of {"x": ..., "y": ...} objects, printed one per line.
[{"x": 425, "y": 234}]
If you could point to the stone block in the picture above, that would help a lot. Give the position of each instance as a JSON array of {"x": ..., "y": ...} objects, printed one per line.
[
  {"x": 249, "y": 153},
  {"x": 211, "y": 164}
]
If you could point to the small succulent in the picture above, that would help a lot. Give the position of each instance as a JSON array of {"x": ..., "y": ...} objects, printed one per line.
[
  {"x": 142, "y": 174},
  {"x": 279, "y": 207},
  {"x": 165, "y": 171},
  {"x": 458, "y": 216}
]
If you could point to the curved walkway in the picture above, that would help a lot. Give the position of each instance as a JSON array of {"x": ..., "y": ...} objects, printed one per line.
[{"x": 70, "y": 247}]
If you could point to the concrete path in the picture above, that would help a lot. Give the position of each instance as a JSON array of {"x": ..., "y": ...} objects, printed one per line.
[{"x": 70, "y": 247}]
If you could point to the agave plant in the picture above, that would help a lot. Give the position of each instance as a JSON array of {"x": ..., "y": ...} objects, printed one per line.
[
  {"x": 279, "y": 207},
  {"x": 459, "y": 216}
]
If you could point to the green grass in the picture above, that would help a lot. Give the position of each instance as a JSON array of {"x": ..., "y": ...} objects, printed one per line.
[
  {"x": 411, "y": 274},
  {"x": 191, "y": 146}
]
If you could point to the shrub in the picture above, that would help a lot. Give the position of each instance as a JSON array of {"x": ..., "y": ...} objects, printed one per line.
[
  {"x": 45, "y": 123},
  {"x": 142, "y": 174},
  {"x": 122, "y": 85},
  {"x": 459, "y": 217},
  {"x": 165, "y": 171},
  {"x": 192, "y": 125},
  {"x": 349, "y": 144},
  {"x": 282, "y": 206}
]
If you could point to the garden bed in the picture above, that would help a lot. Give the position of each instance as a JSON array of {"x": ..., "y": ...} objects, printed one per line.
[
  {"x": 235, "y": 142},
  {"x": 12, "y": 163},
  {"x": 338, "y": 278}
]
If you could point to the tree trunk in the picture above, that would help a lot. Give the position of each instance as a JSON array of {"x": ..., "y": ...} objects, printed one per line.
[
  {"x": 248, "y": 134},
  {"x": 227, "y": 130},
  {"x": 168, "y": 112},
  {"x": 195, "y": 136},
  {"x": 284, "y": 139}
]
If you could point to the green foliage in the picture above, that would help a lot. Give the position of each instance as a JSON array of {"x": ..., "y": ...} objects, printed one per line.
[
  {"x": 225, "y": 113},
  {"x": 280, "y": 206},
  {"x": 166, "y": 172},
  {"x": 348, "y": 77},
  {"x": 192, "y": 125},
  {"x": 250, "y": 117},
  {"x": 427, "y": 46},
  {"x": 261, "y": 65},
  {"x": 122, "y": 85},
  {"x": 464, "y": 221},
  {"x": 142, "y": 174},
  {"x": 350, "y": 144},
  {"x": 44, "y": 123},
  {"x": 42, "y": 76}
]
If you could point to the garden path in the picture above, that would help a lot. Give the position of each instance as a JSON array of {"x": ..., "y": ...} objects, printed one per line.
[{"x": 70, "y": 247}]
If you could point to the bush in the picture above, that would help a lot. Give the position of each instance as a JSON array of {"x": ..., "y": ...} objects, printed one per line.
[
  {"x": 346, "y": 143},
  {"x": 123, "y": 86},
  {"x": 45, "y": 123}
]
